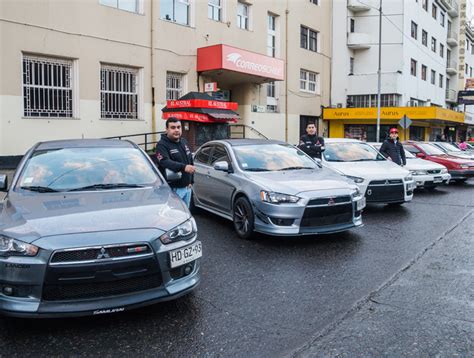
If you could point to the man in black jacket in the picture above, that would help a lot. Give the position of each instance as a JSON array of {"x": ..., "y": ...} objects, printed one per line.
[
  {"x": 310, "y": 143},
  {"x": 393, "y": 149},
  {"x": 173, "y": 153}
]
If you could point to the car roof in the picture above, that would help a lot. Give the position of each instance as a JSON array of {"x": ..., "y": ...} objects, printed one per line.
[
  {"x": 342, "y": 140},
  {"x": 248, "y": 141},
  {"x": 84, "y": 143}
]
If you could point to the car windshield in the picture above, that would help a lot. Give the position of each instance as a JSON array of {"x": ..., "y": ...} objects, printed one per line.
[
  {"x": 430, "y": 149},
  {"x": 409, "y": 155},
  {"x": 92, "y": 168},
  {"x": 351, "y": 152},
  {"x": 272, "y": 157},
  {"x": 450, "y": 147}
]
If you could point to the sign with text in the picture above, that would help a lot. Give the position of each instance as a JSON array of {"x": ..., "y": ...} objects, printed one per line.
[
  {"x": 466, "y": 97},
  {"x": 210, "y": 87}
]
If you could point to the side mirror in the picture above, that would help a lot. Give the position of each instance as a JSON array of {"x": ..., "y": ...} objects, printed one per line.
[
  {"x": 420, "y": 155},
  {"x": 172, "y": 176},
  {"x": 221, "y": 166},
  {"x": 3, "y": 182}
]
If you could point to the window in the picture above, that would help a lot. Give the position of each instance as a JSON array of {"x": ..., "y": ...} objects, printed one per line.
[
  {"x": 315, "y": 2},
  {"x": 441, "y": 50},
  {"x": 414, "y": 30},
  {"x": 272, "y": 102},
  {"x": 118, "y": 92},
  {"x": 433, "y": 77},
  {"x": 48, "y": 87},
  {"x": 352, "y": 25},
  {"x": 309, "y": 81},
  {"x": 174, "y": 85},
  {"x": 214, "y": 10},
  {"x": 434, "y": 11},
  {"x": 470, "y": 72},
  {"x": 467, "y": 45},
  {"x": 441, "y": 80},
  {"x": 370, "y": 100},
  {"x": 127, "y": 5},
  {"x": 219, "y": 155},
  {"x": 433, "y": 44},
  {"x": 243, "y": 15},
  {"x": 466, "y": 69},
  {"x": 271, "y": 36},
  {"x": 175, "y": 10},
  {"x": 423, "y": 72},
  {"x": 424, "y": 38},
  {"x": 351, "y": 66},
  {"x": 425, "y": 4},
  {"x": 472, "y": 50},
  {"x": 203, "y": 155},
  {"x": 441, "y": 18},
  {"x": 413, "y": 67},
  {"x": 309, "y": 39}
]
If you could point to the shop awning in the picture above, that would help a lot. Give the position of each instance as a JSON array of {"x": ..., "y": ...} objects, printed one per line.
[
  {"x": 200, "y": 107},
  {"x": 222, "y": 60}
]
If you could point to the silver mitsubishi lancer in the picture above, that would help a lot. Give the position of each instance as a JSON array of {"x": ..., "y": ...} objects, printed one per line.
[
  {"x": 91, "y": 227},
  {"x": 273, "y": 187}
]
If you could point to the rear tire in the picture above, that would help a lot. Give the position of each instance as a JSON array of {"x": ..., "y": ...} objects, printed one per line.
[{"x": 243, "y": 218}]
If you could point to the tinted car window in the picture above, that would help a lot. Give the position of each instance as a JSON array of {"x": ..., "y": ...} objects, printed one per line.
[
  {"x": 220, "y": 155},
  {"x": 431, "y": 149},
  {"x": 203, "y": 155},
  {"x": 411, "y": 149}
]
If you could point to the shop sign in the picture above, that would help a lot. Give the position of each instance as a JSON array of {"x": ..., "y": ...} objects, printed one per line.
[{"x": 466, "y": 97}]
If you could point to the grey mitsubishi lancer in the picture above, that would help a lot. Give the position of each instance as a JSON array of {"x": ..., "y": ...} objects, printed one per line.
[
  {"x": 274, "y": 188},
  {"x": 91, "y": 227}
]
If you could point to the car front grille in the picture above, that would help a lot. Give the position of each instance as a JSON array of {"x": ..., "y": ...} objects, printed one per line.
[
  {"x": 100, "y": 253},
  {"x": 385, "y": 191},
  {"x": 327, "y": 215},
  {"x": 334, "y": 200},
  {"x": 434, "y": 171}
]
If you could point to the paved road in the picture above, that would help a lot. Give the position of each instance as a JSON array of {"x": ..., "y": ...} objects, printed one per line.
[{"x": 268, "y": 297}]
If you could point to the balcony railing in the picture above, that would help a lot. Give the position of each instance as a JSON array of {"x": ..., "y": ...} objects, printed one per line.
[{"x": 451, "y": 95}]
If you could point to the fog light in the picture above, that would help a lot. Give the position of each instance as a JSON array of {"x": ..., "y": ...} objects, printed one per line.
[
  {"x": 7, "y": 290},
  {"x": 188, "y": 269},
  {"x": 419, "y": 183}
]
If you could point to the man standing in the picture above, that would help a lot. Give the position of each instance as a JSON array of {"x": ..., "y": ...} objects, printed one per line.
[
  {"x": 173, "y": 153},
  {"x": 393, "y": 149},
  {"x": 310, "y": 143}
]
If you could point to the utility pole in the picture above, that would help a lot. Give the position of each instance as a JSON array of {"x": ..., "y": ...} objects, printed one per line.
[{"x": 379, "y": 72}]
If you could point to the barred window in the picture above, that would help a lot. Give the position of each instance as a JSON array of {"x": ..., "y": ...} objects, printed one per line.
[
  {"x": 174, "y": 85},
  {"x": 47, "y": 87},
  {"x": 118, "y": 92},
  {"x": 309, "y": 81},
  {"x": 367, "y": 100}
]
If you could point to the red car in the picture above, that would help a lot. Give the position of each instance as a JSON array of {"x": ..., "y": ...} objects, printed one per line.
[{"x": 460, "y": 169}]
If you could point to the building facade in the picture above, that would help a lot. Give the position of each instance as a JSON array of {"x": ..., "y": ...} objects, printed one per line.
[
  {"x": 419, "y": 68},
  {"x": 101, "y": 68}
]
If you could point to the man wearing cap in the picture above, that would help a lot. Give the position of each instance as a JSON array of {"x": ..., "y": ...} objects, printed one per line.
[{"x": 393, "y": 149}]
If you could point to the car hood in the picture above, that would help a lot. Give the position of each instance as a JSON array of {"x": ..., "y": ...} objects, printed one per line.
[
  {"x": 294, "y": 182},
  {"x": 381, "y": 169},
  {"x": 420, "y": 164},
  {"x": 450, "y": 158},
  {"x": 30, "y": 216}
]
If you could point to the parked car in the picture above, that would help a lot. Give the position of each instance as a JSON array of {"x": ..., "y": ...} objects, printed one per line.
[
  {"x": 453, "y": 150},
  {"x": 426, "y": 174},
  {"x": 460, "y": 169},
  {"x": 91, "y": 227},
  {"x": 381, "y": 180},
  {"x": 274, "y": 188}
]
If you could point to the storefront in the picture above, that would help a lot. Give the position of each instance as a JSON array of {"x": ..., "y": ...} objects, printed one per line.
[{"x": 428, "y": 123}]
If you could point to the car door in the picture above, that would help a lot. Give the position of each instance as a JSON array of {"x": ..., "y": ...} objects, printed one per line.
[
  {"x": 221, "y": 183},
  {"x": 201, "y": 189}
]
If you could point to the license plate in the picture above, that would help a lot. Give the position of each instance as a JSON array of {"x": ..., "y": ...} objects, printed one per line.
[
  {"x": 361, "y": 204},
  {"x": 186, "y": 254},
  {"x": 437, "y": 180}
]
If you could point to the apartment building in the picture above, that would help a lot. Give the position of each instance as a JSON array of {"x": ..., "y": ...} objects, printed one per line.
[
  {"x": 101, "y": 68},
  {"x": 419, "y": 68}
]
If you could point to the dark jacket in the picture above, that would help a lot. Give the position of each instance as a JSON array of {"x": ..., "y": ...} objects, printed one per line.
[
  {"x": 312, "y": 145},
  {"x": 175, "y": 156},
  {"x": 394, "y": 150}
]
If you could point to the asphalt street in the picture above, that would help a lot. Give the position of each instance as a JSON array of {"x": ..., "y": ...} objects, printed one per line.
[{"x": 401, "y": 285}]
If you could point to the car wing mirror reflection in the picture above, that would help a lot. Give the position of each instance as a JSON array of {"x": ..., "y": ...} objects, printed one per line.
[
  {"x": 172, "y": 176},
  {"x": 221, "y": 166}
]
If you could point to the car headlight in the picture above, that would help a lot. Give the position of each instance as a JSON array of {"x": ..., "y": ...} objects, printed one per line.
[
  {"x": 184, "y": 231},
  {"x": 409, "y": 178},
  {"x": 278, "y": 198},
  {"x": 418, "y": 172},
  {"x": 357, "y": 180},
  {"x": 464, "y": 166},
  {"x": 444, "y": 171},
  {"x": 14, "y": 247}
]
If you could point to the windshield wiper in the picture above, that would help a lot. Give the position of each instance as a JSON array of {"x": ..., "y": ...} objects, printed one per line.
[
  {"x": 363, "y": 160},
  {"x": 107, "y": 186},
  {"x": 40, "y": 189},
  {"x": 295, "y": 168},
  {"x": 257, "y": 170},
  {"x": 335, "y": 160}
]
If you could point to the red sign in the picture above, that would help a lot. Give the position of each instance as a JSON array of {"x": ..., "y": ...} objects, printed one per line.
[
  {"x": 225, "y": 57},
  {"x": 195, "y": 117},
  {"x": 201, "y": 103}
]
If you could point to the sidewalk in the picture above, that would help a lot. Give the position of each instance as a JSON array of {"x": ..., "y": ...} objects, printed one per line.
[{"x": 426, "y": 310}]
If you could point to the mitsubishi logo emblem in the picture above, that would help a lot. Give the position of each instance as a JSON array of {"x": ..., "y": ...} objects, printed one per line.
[
  {"x": 331, "y": 201},
  {"x": 103, "y": 254}
]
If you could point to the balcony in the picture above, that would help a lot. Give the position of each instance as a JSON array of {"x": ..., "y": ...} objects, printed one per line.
[
  {"x": 358, "y": 40},
  {"x": 357, "y": 6},
  {"x": 451, "y": 96},
  {"x": 452, "y": 39},
  {"x": 451, "y": 67},
  {"x": 452, "y": 7}
]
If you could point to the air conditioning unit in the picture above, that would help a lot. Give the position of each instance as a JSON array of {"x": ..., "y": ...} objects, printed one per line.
[{"x": 339, "y": 105}]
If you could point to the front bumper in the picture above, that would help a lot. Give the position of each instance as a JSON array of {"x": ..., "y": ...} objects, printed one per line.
[
  {"x": 461, "y": 174},
  {"x": 431, "y": 180}
]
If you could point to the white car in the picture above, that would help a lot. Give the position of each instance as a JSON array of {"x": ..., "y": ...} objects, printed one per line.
[
  {"x": 381, "y": 180},
  {"x": 426, "y": 174}
]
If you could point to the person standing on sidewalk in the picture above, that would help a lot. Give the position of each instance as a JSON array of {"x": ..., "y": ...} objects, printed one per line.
[
  {"x": 173, "y": 153},
  {"x": 393, "y": 149},
  {"x": 311, "y": 143}
]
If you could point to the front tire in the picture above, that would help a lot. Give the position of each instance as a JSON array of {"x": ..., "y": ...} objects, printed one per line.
[{"x": 243, "y": 218}]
